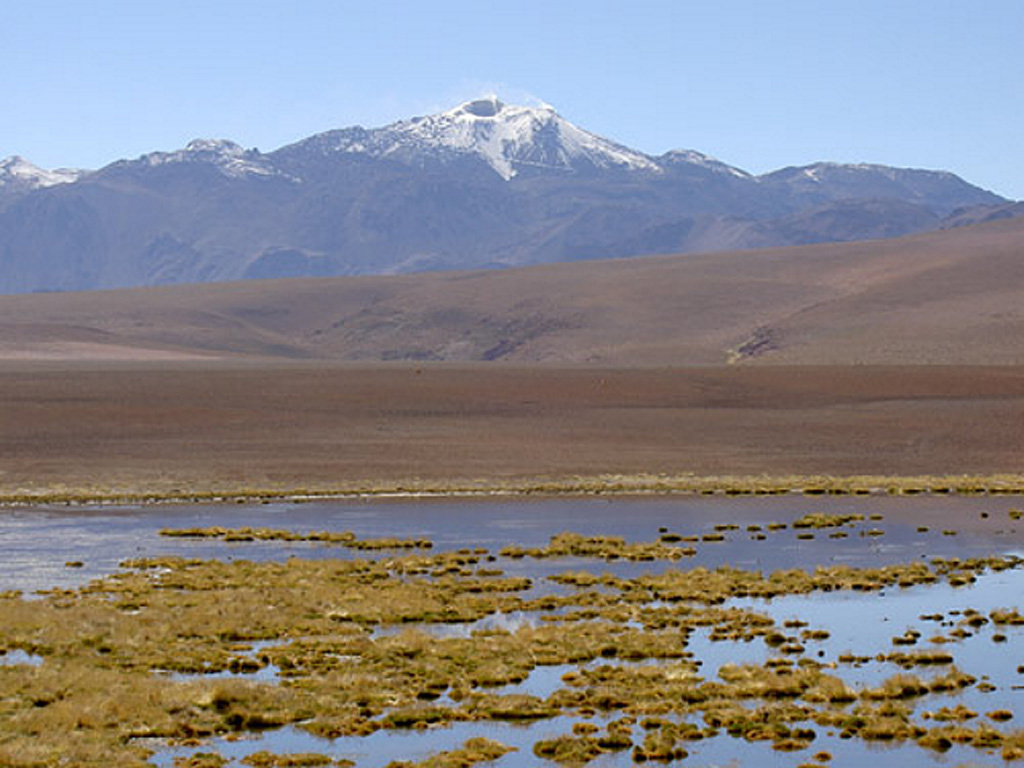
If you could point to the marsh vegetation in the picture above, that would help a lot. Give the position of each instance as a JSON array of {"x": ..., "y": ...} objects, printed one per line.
[{"x": 200, "y": 661}]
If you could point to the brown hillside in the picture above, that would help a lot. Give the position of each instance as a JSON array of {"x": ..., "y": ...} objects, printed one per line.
[{"x": 951, "y": 297}]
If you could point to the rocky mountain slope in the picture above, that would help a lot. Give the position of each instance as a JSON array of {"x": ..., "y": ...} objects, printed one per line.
[{"x": 483, "y": 185}]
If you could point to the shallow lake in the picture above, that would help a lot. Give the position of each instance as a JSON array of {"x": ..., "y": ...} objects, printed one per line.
[{"x": 36, "y": 546}]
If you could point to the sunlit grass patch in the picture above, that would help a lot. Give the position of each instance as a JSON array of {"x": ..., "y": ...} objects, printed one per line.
[{"x": 178, "y": 650}]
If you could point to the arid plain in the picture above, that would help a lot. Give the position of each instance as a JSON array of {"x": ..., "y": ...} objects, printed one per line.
[
  {"x": 231, "y": 427},
  {"x": 888, "y": 358}
]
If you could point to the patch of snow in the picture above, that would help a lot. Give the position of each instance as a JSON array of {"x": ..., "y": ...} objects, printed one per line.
[
  {"x": 887, "y": 171},
  {"x": 17, "y": 170},
  {"x": 506, "y": 137},
  {"x": 230, "y": 158},
  {"x": 692, "y": 157}
]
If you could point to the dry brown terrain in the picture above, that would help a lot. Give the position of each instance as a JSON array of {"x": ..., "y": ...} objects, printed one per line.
[
  {"x": 897, "y": 357},
  {"x": 952, "y": 297},
  {"x": 197, "y": 426}
]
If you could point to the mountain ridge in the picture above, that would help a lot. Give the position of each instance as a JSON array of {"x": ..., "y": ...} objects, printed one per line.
[
  {"x": 482, "y": 185},
  {"x": 18, "y": 174}
]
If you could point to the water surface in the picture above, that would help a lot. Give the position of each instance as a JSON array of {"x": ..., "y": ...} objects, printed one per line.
[{"x": 37, "y": 546}]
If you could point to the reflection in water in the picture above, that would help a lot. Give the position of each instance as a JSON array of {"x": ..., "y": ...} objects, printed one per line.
[
  {"x": 496, "y": 622},
  {"x": 10, "y": 658},
  {"x": 34, "y": 547}
]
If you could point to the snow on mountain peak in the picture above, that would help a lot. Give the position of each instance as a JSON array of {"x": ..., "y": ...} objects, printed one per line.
[
  {"x": 17, "y": 171},
  {"x": 215, "y": 146},
  {"x": 509, "y": 138},
  {"x": 692, "y": 157},
  {"x": 822, "y": 173},
  {"x": 230, "y": 158}
]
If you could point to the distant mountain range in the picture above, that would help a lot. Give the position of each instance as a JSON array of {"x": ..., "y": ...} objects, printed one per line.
[{"x": 483, "y": 185}]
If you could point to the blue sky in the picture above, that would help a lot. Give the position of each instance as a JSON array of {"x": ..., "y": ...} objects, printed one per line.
[{"x": 761, "y": 85}]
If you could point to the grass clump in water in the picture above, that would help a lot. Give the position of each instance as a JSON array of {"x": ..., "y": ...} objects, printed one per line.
[
  {"x": 604, "y": 547},
  {"x": 825, "y": 520},
  {"x": 473, "y": 751},
  {"x": 570, "y": 750},
  {"x": 266, "y": 759},
  {"x": 337, "y": 538}
]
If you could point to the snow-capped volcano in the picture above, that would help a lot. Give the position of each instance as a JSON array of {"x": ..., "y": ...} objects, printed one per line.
[
  {"x": 18, "y": 173},
  {"x": 508, "y": 138},
  {"x": 486, "y": 184}
]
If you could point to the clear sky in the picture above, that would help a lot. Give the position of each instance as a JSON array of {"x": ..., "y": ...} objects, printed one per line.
[{"x": 760, "y": 85}]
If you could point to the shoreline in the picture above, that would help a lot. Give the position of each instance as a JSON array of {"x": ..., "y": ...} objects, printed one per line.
[{"x": 580, "y": 486}]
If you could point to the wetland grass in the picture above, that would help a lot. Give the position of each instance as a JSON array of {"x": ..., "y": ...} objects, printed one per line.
[
  {"x": 825, "y": 520},
  {"x": 473, "y": 751},
  {"x": 138, "y": 659},
  {"x": 200, "y": 760},
  {"x": 342, "y": 538},
  {"x": 605, "y": 484},
  {"x": 604, "y": 547},
  {"x": 265, "y": 759}
]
